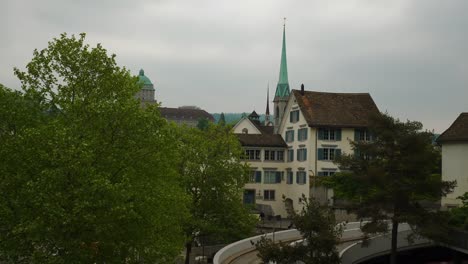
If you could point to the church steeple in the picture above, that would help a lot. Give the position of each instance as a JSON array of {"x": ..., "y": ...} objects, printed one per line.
[
  {"x": 267, "y": 112},
  {"x": 282, "y": 89}
]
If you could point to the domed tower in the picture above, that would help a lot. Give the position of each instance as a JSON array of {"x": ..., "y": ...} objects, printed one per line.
[
  {"x": 282, "y": 89},
  {"x": 146, "y": 94}
]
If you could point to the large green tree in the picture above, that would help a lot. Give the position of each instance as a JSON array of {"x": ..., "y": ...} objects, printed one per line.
[
  {"x": 86, "y": 175},
  {"x": 390, "y": 178},
  {"x": 321, "y": 234},
  {"x": 214, "y": 176}
]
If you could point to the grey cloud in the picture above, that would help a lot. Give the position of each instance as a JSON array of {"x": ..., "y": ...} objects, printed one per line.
[{"x": 410, "y": 55}]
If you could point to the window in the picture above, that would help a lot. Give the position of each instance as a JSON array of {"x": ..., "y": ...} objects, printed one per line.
[
  {"x": 328, "y": 153},
  {"x": 289, "y": 177},
  {"x": 274, "y": 155},
  {"x": 325, "y": 173},
  {"x": 363, "y": 156},
  {"x": 289, "y": 136},
  {"x": 362, "y": 135},
  {"x": 269, "y": 195},
  {"x": 294, "y": 116},
  {"x": 329, "y": 134},
  {"x": 252, "y": 154},
  {"x": 301, "y": 177},
  {"x": 302, "y": 154},
  {"x": 272, "y": 177},
  {"x": 255, "y": 177},
  {"x": 290, "y": 155},
  {"x": 302, "y": 134},
  {"x": 245, "y": 131}
]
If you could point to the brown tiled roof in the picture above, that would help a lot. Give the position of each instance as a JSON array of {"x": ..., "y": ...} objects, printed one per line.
[
  {"x": 261, "y": 140},
  {"x": 185, "y": 113},
  {"x": 336, "y": 109},
  {"x": 458, "y": 131},
  {"x": 266, "y": 129}
]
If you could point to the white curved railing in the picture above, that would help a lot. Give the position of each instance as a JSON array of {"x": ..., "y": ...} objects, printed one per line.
[
  {"x": 236, "y": 249},
  {"x": 240, "y": 247}
]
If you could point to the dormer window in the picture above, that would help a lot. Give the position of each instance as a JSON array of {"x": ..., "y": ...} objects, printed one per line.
[{"x": 245, "y": 131}]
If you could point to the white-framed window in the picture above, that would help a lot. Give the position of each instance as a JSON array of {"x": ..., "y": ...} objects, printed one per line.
[
  {"x": 294, "y": 116},
  {"x": 269, "y": 195},
  {"x": 328, "y": 153},
  {"x": 252, "y": 154},
  {"x": 329, "y": 134},
  {"x": 302, "y": 154},
  {"x": 289, "y": 177},
  {"x": 362, "y": 135},
  {"x": 290, "y": 155},
  {"x": 289, "y": 136},
  {"x": 302, "y": 134},
  {"x": 271, "y": 177},
  {"x": 301, "y": 177},
  {"x": 325, "y": 173},
  {"x": 274, "y": 155}
]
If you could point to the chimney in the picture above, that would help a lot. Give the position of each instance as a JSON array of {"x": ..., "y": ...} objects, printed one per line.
[{"x": 302, "y": 89}]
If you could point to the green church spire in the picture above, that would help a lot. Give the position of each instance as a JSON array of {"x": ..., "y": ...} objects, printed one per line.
[{"x": 282, "y": 89}]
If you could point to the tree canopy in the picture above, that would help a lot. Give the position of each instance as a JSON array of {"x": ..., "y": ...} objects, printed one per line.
[
  {"x": 321, "y": 234},
  {"x": 87, "y": 176},
  {"x": 391, "y": 178},
  {"x": 214, "y": 177}
]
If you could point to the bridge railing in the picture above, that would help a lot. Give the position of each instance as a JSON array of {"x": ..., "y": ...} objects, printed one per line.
[{"x": 240, "y": 247}]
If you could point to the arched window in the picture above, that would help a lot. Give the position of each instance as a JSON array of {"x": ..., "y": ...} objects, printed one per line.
[{"x": 245, "y": 131}]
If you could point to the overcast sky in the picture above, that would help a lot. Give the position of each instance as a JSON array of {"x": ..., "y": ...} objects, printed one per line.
[{"x": 411, "y": 56}]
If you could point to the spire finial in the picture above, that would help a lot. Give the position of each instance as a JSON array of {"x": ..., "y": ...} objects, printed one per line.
[{"x": 284, "y": 22}]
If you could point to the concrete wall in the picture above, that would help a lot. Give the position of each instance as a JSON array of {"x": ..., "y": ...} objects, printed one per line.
[{"x": 455, "y": 167}]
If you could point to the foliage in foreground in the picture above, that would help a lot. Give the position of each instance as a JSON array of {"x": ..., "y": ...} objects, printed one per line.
[
  {"x": 213, "y": 176},
  {"x": 391, "y": 178},
  {"x": 459, "y": 216},
  {"x": 86, "y": 175},
  {"x": 317, "y": 226}
]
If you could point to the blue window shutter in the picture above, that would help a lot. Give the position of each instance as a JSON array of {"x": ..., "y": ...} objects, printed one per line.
[
  {"x": 356, "y": 152},
  {"x": 297, "y": 154},
  {"x": 291, "y": 117},
  {"x": 292, "y": 135},
  {"x": 306, "y": 130},
  {"x": 320, "y": 133},
  {"x": 337, "y": 153},
  {"x": 305, "y": 154},
  {"x": 297, "y": 177},
  {"x": 278, "y": 177},
  {"x": 320, "y": 154},
  {"x": 338, "y": 134},
  {"x": 357, "y": 134},
  {"x": 258, "y": 176}
]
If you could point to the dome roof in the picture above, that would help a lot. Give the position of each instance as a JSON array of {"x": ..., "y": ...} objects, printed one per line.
[{"x": 147, "y": 84}]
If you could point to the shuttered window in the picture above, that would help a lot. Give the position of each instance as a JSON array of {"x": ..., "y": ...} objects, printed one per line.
[{"x": 328, "y": 153}]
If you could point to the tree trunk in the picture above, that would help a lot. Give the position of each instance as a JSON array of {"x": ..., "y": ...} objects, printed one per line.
[
  {"x": 188, "y": 249},
  {"x": 393, "y": 252}
]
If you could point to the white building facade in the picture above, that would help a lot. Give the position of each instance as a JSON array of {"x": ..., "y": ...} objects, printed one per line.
[{"x": 454, "y": 142}]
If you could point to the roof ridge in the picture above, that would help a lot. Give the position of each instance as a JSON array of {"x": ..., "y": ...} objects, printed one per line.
[{"x": 305, "y": 91}]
